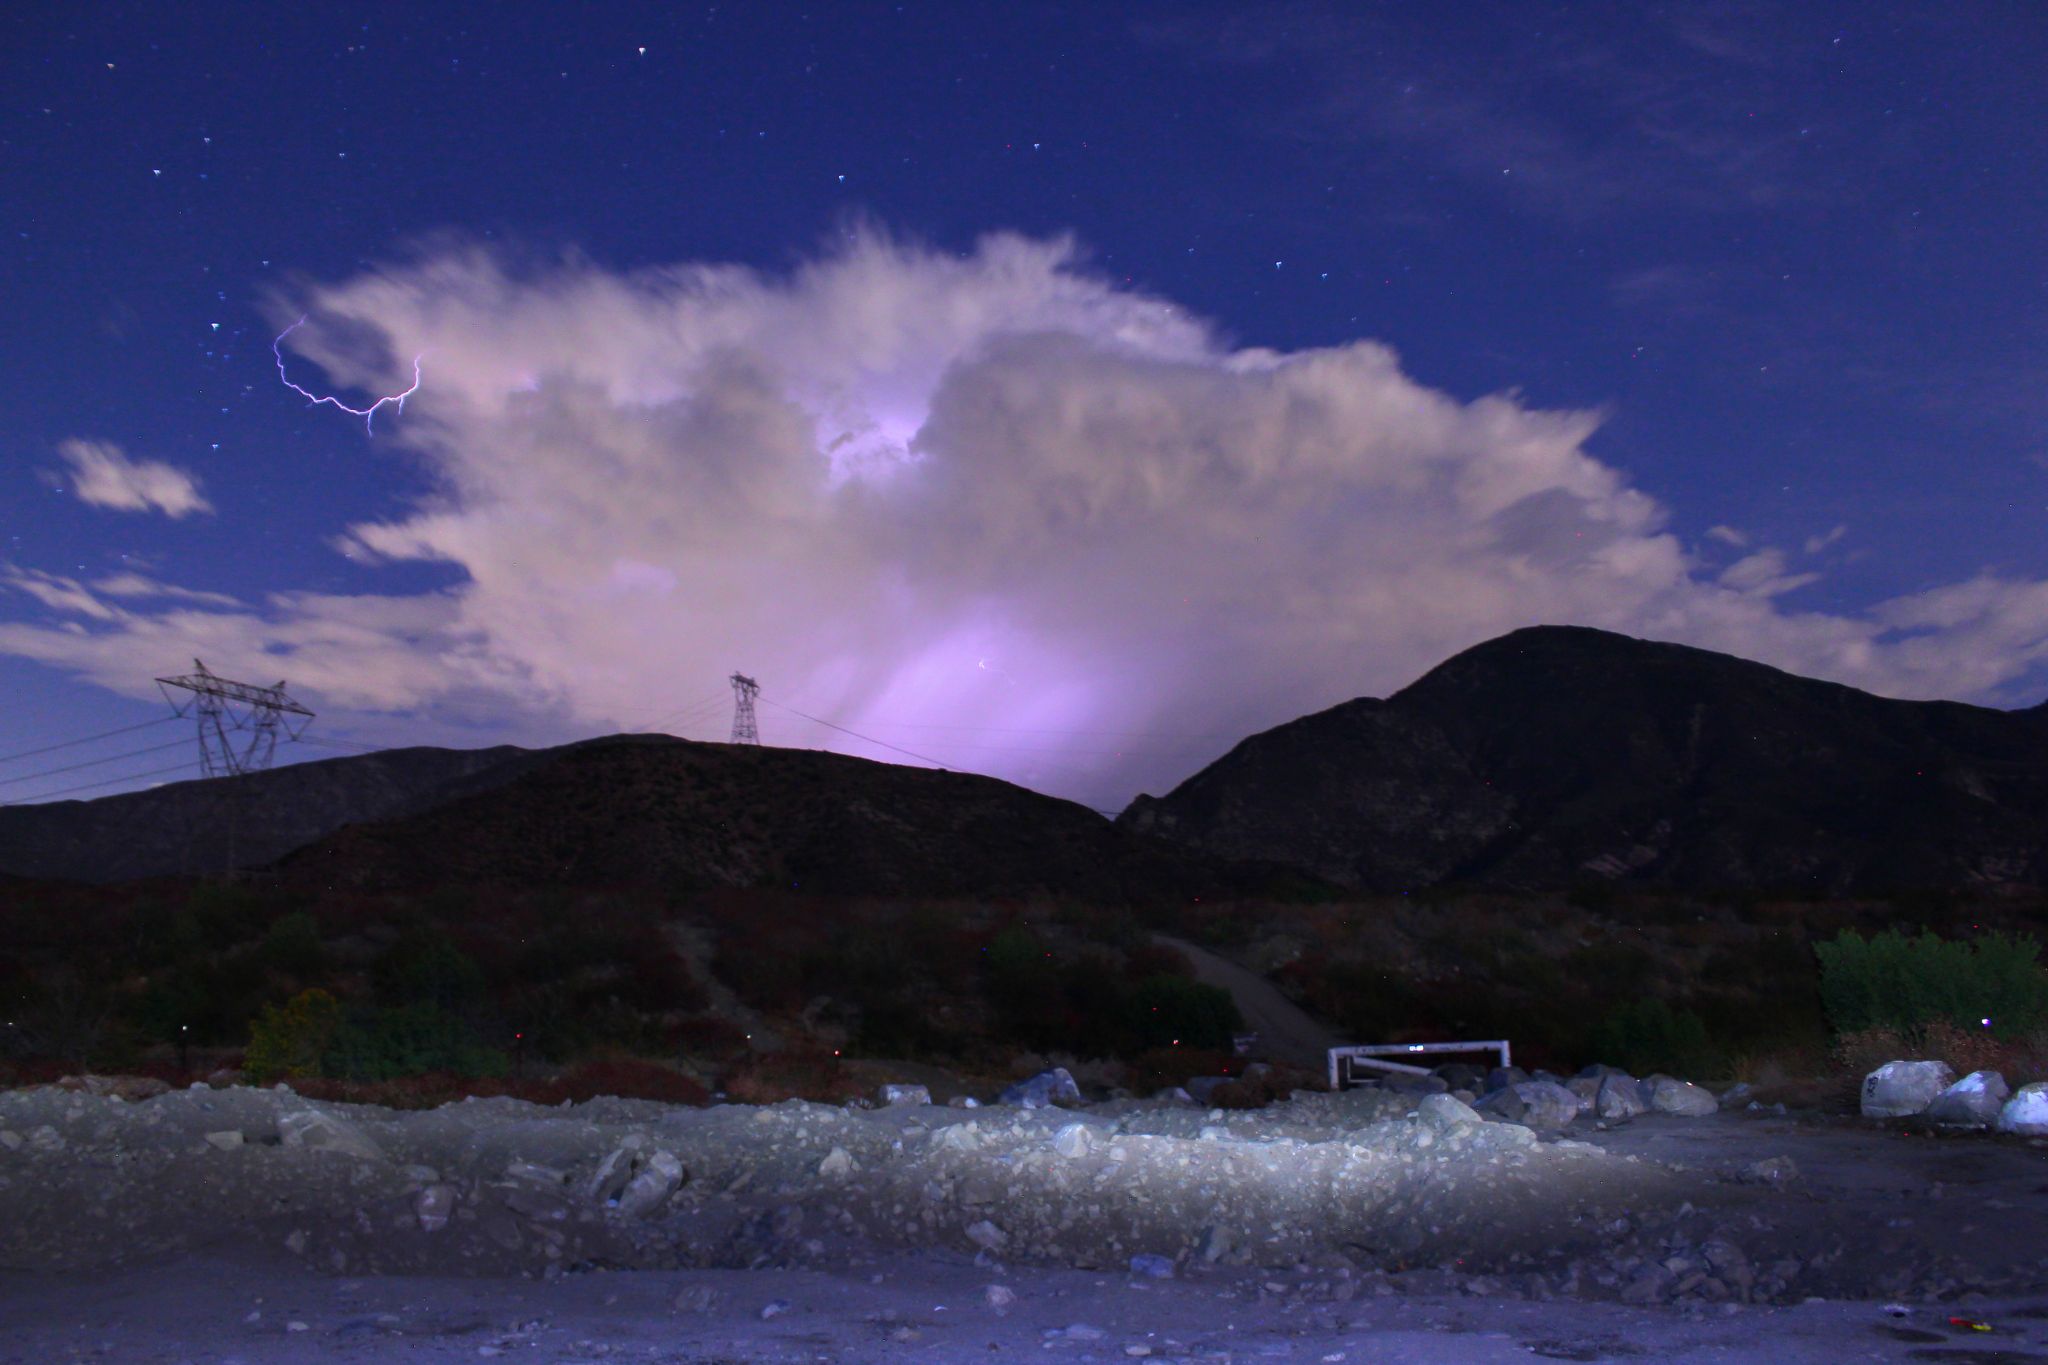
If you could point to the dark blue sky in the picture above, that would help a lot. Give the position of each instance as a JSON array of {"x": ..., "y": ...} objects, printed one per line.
[{"x": 1793, "y": 253}]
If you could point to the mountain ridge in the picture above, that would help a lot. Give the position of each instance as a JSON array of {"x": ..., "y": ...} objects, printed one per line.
[{"x": 1556, "y": 754}]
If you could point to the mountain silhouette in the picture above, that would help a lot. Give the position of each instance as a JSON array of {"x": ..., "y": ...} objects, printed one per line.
[{"x": 1558, "y": 754}]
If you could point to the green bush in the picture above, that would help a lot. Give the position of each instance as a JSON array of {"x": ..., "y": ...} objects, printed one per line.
[
  {"x": 292, "y": 946},
  {"x": 409, "y": 1040},
  {"x": 1647, "y": 1035},
  {"x": 1165, "y": 1011},
  {"x": 1893, "y": 981},
  {"x": 290, "y": 1039}
]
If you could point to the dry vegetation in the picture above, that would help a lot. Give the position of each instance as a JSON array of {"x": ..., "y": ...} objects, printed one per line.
[{"x": 766, "y": 995}]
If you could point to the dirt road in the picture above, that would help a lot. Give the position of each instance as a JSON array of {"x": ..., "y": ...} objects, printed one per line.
[{"x": 1286, "y": 1032}]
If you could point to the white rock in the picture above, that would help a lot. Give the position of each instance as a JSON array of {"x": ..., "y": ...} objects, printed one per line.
[
  {"x": 1074, "y": 1140},
  {"x": 650, "y": 1188},
  {"x": 837, "y": 1163},
  {"x": 614, "y": 1171},
  {"x": 322, "y": 1132},
  {"x": 1618, "y": 1099},
  {"x": 1669, "y": 1096},
  {"x": 1898, "y": 1089},
  {"x": 959, "y": 1137},
  {"x": 904, "y": 1094},
  {"x": 1446, "y": 1114},
  {"x": 987, "y": 1236},
  {"x": 1972, "y": 1102},
  {"x": 2026, "y": 1113},
  {"x": 433, "y": 1206},
  {"x": 227, "y": 1139},
  {"x": 999, "y": 1297}
]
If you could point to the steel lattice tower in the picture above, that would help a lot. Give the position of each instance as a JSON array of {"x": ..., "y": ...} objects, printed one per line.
[
  {"x": 744, "y": 690},
  {"x": 224, "y": 709}
]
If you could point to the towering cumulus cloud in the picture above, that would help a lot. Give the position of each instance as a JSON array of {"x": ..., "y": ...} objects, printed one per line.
[{"x": 989, "y": 508}]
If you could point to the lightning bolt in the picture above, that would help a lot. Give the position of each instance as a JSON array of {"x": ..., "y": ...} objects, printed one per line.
[{"x": 316, "y": 399}]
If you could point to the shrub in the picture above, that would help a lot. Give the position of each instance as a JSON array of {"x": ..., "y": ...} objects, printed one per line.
[
  {"x": 292, "y": 946},
  {"x": 1647, "y": 1035},
  {"x": 408, "y": 1040},
  {"x": 289, "y": 1039},
  {"x": 1892, "y": 981},
  {"x": 1167, "y": 1010}
]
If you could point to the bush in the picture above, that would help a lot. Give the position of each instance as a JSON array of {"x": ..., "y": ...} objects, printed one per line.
[
  {"x": 409, "y": 1040},
  {"x": 289, "y": 1039},
  {"x": 1892, "y": 981},
  {"x": 1168, "y": 1010},
  {"x": 1645, "y": 1036}
]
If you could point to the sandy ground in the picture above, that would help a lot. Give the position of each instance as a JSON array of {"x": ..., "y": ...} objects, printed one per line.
[{"x": 1323, "y": 1230}]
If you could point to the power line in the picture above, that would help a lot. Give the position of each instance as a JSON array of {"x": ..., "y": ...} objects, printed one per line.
[
  {"x": 71, "y": 743},
  {"x": 922, "y": 758},
  {"x": 90, "y": 763},
  {"x": 106, "y": 782}
]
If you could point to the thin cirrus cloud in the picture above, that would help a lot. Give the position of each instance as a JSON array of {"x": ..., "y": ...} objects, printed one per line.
[
  {"x": 990, "y": 508},
  {"x": 102, "y": 475}
]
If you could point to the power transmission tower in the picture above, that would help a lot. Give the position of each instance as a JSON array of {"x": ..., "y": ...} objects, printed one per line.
[
  {"x": 223, "y": 709},
  {"x": 744, "y": 690}
]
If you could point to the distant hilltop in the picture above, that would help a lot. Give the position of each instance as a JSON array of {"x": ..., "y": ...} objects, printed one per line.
[{"x": 1557, "y": 755}]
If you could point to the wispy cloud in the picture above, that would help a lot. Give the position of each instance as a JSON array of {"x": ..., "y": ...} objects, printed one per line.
[{"x": 101, "y": 475}]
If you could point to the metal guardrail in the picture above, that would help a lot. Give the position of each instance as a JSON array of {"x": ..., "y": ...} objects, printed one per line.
[{"x": 1372, "y": 1055}]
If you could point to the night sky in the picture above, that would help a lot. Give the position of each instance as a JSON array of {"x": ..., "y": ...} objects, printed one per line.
[{"x": 1054, "y": 391}]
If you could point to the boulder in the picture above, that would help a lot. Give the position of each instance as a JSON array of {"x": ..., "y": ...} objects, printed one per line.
[
  {"x": 2026, "y": 1113},
  {"x": 890, "y": 1095},
  {"x": 1972, "y": 1102},
  {"x": 1618, "y": 1099},
  {"x": 1544, "y": 1106},
  {"x": 433, "y": 1205},
  {"x": 1898, "y": 1089},
  {"x": 1444, "y": 1114},
  {"x": 1050, "y": 1087},
  {"x": 323, "y": 1132},
  {"x": 1402, "y": 1083},
  {"x": 651, "y": 1186},
  {"x": 1501, "y": 1077},
  {"x": 1199, "y": 1088},
  {"x": 1462, "y": 1076},
  {"x": 1669, "y": 1095}
]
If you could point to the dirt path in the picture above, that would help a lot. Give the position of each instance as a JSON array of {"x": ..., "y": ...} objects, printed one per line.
[{"x": 1286, "y": 1032}]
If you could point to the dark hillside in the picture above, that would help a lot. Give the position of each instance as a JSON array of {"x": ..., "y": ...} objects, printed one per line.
[
  {"x": 202, "y": 828},
  {"x": 1557, "y": 754},
  {"x": 677, "y": 814}
]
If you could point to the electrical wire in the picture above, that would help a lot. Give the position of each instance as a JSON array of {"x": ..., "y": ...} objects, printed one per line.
[
  {"x": 922, "y": 758},
  {"x": 703, "y": 705},
  {"x": 73, "y": 743},
  {"x": 107, "y": 782},
  {"x": 93, "y": 762}
]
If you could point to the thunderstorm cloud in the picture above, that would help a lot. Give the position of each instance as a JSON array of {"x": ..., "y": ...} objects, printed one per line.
[{"x": 990, "y": 508}]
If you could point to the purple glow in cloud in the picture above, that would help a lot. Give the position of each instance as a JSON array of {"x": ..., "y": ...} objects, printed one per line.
[{"x": 367, "y": 414}]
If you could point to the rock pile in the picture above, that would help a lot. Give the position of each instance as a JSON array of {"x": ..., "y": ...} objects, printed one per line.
[{"x": 1982, "y": 1099}]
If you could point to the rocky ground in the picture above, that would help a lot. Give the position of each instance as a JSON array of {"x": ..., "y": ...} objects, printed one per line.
[{"x": 256, "y": 1225}]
